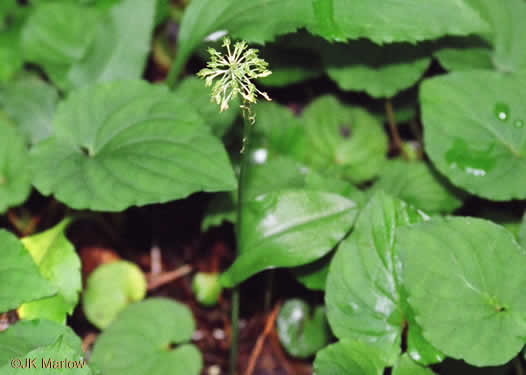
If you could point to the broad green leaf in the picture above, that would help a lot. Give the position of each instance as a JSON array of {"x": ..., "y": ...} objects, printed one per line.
[
  {"x": 50, "y": 359},
  {"x": 59, "y": 263},
  {"x": 194, "y": 90},
  {"x": 477, "y": 141},
  {"x": 15, "y": 174},
  {"x": 112, "y": 56},
  {"x": 263, "y": 176},
  {"x": 128, "y": 143},
  {"x": 79, "y": 45},
  {"x": 344, "y": 142},
  {"x": 110, "y": 289},
  {"x": 507, "y": 27},
  {"x": 452, "y": 270},
  {"x": 37, "y": 338},
  {"x": 467, "y": 53},
  {"x": 141, "y": 339},
  {"x": 302, "y": 331},
  {"x": 278, "y": 173},
  {"x": 418, "y": 348},
  {"x": 363, "y": 294},
  {"x": 256, "y": 21},
  {"x": 388, "y": 21},
  {"x": 282, "y": 132},
  {"x": 30, "y": 103},
  {"x": 420, "y": 185},
  {"x": 57, "y": 35},
  {"x": 20, "y": 279},
  {"x": 11, "y": 58},
  {"x": 380, "y": 71},
  {"x": 407, "y": 366},
  {"x": 349, "y": 357},
  {"x": 289, "y": 228},
  {"x": 314, "y": 275}
]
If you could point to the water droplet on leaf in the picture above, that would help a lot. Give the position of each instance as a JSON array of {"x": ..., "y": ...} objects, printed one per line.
[
  {"x": 475, "y": 162},
  {"x": 502, "y": 111}
]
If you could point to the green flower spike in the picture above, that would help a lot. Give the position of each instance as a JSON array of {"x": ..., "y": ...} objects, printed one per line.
[{"x": 235, "y": 72}]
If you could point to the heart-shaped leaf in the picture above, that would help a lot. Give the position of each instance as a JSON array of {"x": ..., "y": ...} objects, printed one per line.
[
  {"x": 380, "y": 71},
  {"x": 344, "y": 142},
  {"x": 451, "y": 269},
  {"x": 40, "y": 340},
  {"x": 15, "y": 174},
  {"x": 59, "y": 263},
  {"x": 20, "y": 279},
  {"x": 364, "y": 298},
  {"x": 109, "y": 289},
  {"x": 477, "y": 141},
  {"x": 393, "y": 20},
  {"x": 349, "y": 357},
  {"x": 419, "y": 184},
  {"x": 140, "y": 341},
  {"x": 288, "y": 229},
  {"x": 301, "y": 331},
  {"x": 133, "y": 144}
]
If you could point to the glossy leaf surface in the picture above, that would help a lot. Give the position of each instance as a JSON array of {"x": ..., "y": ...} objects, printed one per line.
[
  {"x": 302, "y": 330},
  {"x": 363, "y": 295},
  {"x": 287, "y": 229},
  {"x": 452, "y": 272},
  {"x": 477, "y": 141}
]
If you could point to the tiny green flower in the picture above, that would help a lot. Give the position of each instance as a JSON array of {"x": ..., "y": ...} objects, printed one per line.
[{"x": 235, "y": 72}]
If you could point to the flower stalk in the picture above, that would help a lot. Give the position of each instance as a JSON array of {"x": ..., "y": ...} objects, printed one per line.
[{"x": 230, "y": 76}]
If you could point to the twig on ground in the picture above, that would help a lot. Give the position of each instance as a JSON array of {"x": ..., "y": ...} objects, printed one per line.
[
  {"x": 88, "y": 341},
  {"x": 155, "y": 281},
  {"x": 269, "y": 326},
  {"x": 156, "y": 262}
]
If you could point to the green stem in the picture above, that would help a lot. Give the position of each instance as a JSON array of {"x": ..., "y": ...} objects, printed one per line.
[{"x": 234, "y": 348}]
